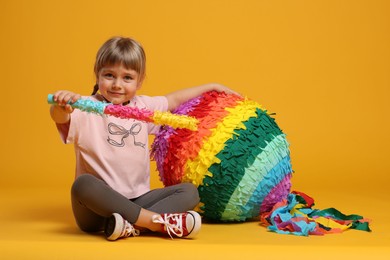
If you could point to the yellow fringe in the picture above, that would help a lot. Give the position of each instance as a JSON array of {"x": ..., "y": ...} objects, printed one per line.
[{"x": 175, "y": 121}]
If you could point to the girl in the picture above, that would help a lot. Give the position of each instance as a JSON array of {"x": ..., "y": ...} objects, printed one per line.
[{"x": 111, "y": 190}]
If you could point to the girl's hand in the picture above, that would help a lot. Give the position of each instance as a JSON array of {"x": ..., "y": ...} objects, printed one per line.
[
  {"x": 178, "y": 97},
  {"x": 221, "y": 88},
  {"x": 64, "y": 98}
]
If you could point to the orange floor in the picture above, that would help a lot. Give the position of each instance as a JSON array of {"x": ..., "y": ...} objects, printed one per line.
[{"x": 38, "y": 224}]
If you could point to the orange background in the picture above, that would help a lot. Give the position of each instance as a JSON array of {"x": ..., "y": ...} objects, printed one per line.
[{"x": 322, "y": 66}]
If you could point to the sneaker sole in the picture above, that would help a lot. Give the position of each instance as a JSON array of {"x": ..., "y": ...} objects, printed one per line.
[
  {"x": 198, "y": 222},
  {"x": 113, "y": 228}
]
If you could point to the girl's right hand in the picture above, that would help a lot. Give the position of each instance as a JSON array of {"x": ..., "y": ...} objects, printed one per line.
[{"x": 63, "y": 98}]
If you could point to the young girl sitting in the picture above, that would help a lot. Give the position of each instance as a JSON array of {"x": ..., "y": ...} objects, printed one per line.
[{"x": 111, "y": 191}]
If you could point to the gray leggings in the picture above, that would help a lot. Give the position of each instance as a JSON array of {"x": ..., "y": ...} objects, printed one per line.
[{"x": 93, "y": 201}]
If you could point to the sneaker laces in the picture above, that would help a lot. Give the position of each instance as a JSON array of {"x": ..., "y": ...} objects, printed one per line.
[
  {"x": 173, "y": 223},
  {"x": 129, "y": 230}
]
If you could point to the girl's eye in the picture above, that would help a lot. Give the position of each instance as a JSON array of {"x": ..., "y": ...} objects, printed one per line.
[
  {"x": 108, "y": 75},
  {"x": 128, "y": 78}
]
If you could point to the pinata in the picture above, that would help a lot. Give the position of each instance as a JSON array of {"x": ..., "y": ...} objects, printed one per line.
[{"x": 239, "y": 159}]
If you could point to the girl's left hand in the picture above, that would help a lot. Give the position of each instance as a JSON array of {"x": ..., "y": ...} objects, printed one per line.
[{"x": 222, "y": 88}]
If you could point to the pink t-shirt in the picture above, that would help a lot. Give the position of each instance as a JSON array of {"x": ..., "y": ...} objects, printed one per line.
[{"x": 113, "y": 149}]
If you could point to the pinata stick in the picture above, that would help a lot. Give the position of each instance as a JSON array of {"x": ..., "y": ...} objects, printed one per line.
[{"x": 125, "y": 112}]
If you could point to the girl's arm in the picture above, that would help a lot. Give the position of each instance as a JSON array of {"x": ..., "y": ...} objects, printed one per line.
[
  {"x": 60, "y": 113},
  {"x": 180, "y": 96}
]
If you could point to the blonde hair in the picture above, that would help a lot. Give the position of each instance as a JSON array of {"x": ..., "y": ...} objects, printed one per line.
[{"x": 121, "y": 50}]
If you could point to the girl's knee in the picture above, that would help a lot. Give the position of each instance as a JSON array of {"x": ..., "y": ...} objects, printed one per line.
[
  {"x": 191, "y": 188},
  {"x": 192, "y": 192},
  {"x": 83, "y": 185}
]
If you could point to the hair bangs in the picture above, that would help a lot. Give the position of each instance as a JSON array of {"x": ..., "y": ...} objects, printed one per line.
[{"x": 123, "y": 51}]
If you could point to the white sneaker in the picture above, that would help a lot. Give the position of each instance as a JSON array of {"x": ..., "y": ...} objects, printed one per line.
[
  {"x": 118, "y": 227},
  {"x": 185, "y": 225}
]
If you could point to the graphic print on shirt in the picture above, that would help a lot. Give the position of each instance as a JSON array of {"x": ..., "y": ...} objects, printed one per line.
[{"x": 115, "y": 129}]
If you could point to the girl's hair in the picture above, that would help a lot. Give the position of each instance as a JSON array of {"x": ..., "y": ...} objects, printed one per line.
[{"x": 121, "y": 50}]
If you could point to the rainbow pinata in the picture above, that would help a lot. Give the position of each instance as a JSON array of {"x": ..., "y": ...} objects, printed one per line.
[{"x": 238, "y": 157}]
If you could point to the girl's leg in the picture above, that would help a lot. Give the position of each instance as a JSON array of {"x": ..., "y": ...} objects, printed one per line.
[
  {"x": 93, "y": 201},
  {"x": 171, "y": 199}
]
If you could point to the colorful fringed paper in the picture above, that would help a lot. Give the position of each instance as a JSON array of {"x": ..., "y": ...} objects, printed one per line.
[
  {"x": 238, "y": 157},
  {"x": 240, "y": 161},
  {"x": 126, "y": 112},
  {"x": 295, "y": 215}
]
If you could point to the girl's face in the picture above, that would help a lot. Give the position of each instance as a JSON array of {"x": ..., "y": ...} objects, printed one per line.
[{"x": 118, "y": 84}]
